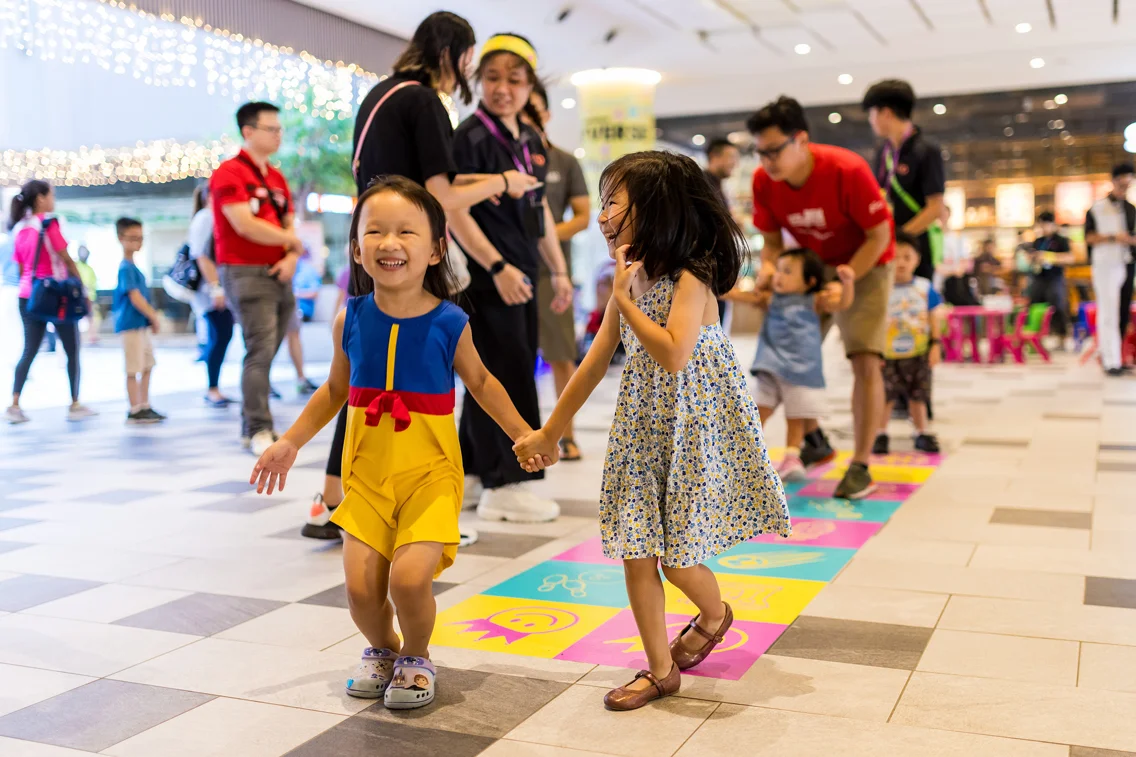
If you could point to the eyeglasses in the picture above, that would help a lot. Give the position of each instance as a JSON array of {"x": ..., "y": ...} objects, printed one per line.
[
  {"x": 270, "y": 129},
  {"x": 772, "y": 153}
]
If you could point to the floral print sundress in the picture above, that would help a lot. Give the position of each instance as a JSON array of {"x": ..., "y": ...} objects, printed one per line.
[{"x": 687, "y": 475}]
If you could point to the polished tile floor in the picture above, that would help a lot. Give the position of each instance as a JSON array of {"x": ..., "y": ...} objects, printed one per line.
[{"x": 151, "y": 605}]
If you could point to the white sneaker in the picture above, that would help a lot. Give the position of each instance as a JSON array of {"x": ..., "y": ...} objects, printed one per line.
[
  {"x": 16, "y": 415},
  {"x": 514, "y": 503},
  {"x": 79, "y": 412},
  {"x": 261, "y": 441},
  {"x": 473, "y": 490},
  {"x": 467, "y": 537}
]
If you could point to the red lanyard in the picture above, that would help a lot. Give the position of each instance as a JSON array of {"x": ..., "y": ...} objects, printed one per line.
[{"x": 492, "y": 127}]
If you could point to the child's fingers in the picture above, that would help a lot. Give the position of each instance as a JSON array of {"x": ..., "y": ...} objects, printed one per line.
[
  {"x": 283, "y": 478},
  {"x": 255, "y": 472},
  {"x": 261, "y": 481}
]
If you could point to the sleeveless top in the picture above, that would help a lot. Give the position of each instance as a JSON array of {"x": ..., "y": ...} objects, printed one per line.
[
  {"x": 789, "y": 345},
  {"x": 400, "y": 415}
]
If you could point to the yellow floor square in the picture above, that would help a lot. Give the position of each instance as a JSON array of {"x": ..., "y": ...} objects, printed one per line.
[
  {"x": 758, "y": 598},
  {"x": 892, "y": 474},
  {"x": 518, "y": 626}
]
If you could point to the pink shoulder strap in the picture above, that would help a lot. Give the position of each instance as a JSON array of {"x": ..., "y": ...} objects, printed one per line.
[{"x": 367, "y": 125}]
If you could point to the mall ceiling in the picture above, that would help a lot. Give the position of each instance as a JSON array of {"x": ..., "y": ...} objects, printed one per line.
[{"x": 728, "y": 55}]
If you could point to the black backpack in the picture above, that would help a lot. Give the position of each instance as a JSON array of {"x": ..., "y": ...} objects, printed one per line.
[{"x": 184, "y": 277}]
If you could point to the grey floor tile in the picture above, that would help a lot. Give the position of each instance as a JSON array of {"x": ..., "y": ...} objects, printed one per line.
[
  {"x": 1111, "y": 467},
  {"x": 359, "y": 735},
  {"x": 98, "y": 715},
  {"x": 492, "y": 544},
  {"x": 1119, "y": 403},
  {"x": 882, "y": 645},
  {"x": 292, "y": 533},
  {"x": 577, "y": 508},
  {"x": 10, "y": 546},
  {"x": 1070, "y": 417},
  {"x": 118, "y": 496},
  {"x": 1118, "y": 447},
  {"x": 972, "y": 441},
  {"x": 26, "y": 591},
  {"x": 201, "y": 614},
  {"x": 250, "y": 504},
  {"x": 226, "y": 487},
  {"x": 1110, "y": 592},
  {"x": 6, "y": 523},
  {"x": 475, "y": 703},
  {"x": 441, "y": 586},
  {"x": 1088, "y": 751},
  {"x": 1020, "y": 516},
  {"x": 336, "y": 596}
]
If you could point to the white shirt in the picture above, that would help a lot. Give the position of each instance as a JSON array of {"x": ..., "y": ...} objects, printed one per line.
[
  {"x": 1110, "y": 220},
  {"x": 199, "y": 238}
]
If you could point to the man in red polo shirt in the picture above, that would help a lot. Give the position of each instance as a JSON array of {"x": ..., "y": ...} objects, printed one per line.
[
  {"x": 256, "y": 250},
  {"x": 828, "y": 200}
]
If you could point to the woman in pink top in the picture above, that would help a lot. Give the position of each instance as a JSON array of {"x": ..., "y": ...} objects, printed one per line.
[{"x": 30, "y": 209}]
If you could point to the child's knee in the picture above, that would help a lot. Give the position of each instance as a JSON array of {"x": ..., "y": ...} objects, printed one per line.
[
  {"x": 676, "y": 575},
  {"x": 410, "y": 584},
  {"x": 641, "y": 567}
]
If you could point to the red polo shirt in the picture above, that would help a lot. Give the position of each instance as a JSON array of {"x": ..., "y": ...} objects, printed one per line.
[
  {"x": 239, "y": 180},
  {"x": 829, "y": 214}
]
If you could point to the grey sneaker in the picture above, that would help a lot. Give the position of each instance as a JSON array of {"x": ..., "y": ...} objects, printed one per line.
[
  {"x": 15, "y": 415},
  {"x": 79, "y": 412},
  {"x": 856, "y": 484}
]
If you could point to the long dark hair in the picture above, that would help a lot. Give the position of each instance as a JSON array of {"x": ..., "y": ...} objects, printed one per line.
[
  {"x": 440, "y": 278},
  {"x": 200, "y": 196},
  {"x": 679, "y": 222},
  {"x": 25, "y": 200},
  {"x": 530, "y": 110},
  {"x": 422, "y": 59}
]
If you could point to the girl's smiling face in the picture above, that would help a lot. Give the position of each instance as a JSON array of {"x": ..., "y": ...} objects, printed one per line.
[
  {"x": 395, "y": 245},
  {"x": 505, "y": 85},
  {"x": 616, "y": 219}
]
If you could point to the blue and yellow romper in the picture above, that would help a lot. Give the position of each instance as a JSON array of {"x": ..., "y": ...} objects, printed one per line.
[{"x": 402, "y": 466}]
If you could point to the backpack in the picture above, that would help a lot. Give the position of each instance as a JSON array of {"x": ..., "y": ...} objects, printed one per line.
[{"x": 184, "y": 277}]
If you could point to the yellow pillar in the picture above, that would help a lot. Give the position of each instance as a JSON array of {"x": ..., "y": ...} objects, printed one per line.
[{"x": 617, "y": 113}]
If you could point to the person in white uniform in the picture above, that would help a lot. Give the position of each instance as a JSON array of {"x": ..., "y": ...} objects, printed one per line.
[{"x": 1110, "y": 232}]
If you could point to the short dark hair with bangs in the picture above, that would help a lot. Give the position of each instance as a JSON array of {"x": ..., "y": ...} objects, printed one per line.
[
  {"x": 679, "y": 224},
  {"x": 894, "y": 94},
  {"x": 440, "y": 278}
]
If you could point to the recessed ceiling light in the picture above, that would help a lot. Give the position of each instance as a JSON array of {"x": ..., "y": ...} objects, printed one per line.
[
  {"x": 698, "y": 140},
  {"x": 844, "y": 78},
  {"x": 567, "y": 103},
  {"x": 1049, "y": 105},
  {"x": 1008, "y": 131},
  {"x": 1023, "y": 28},
  {"x": 835, "y": 118},
  {"x": 802, "y": 49},
  {"x": 939, "y": 109},
  {"x": 1037, "y": 63},
  {"x": 1060, "y": 99},
  {"x": 579, "y": 152}
]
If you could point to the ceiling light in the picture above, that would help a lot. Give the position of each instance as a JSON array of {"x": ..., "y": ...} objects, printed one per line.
[
  {"x": 844, "y": 78},
  {"x": 802, "y": 49},
  {"x": 1023, "y": 28},
  {"x": 835, "y": 118},
  {"x": 1049, "y": 105},
  {"x": 1008, "y": 131},
  {"x": 698, "y": 140},
  {"x": 1037, "y": 63},
  {"x": 567, "y": 103},
  {"x": 939, "y": 109},
  {"x": 579, "y": 152},
  {"x": 1130, "y": 132},
  {"x": 1060, "y": 99}
]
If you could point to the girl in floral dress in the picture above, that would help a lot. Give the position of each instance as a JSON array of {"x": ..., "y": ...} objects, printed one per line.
[{"x": 687, "y": 475}]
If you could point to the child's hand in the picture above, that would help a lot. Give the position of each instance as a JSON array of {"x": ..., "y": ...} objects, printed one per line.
[
  {"x": 624, "y": 273},
  {"x": 535, "y": 451},
  {"x": 273, "y": 465},
  {"x": 846, "y": 275},
  {"x": 154, "y": 326}
]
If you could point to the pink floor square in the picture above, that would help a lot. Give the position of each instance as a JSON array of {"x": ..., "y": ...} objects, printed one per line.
[
  {"x": 590, "y": 551},
  {"x": 825, "y": 533},
  {"x": 616, "y": 643},
  {"x": 885, "y": 491}
]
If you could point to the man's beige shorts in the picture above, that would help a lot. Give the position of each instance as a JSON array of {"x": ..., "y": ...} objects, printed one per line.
[
  {"x": 863, "y": 327},
  {"x": 139, "y": 351}
]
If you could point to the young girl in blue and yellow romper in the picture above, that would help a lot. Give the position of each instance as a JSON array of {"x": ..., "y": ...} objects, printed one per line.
[
  {"x": 687, "y": 475},
  {"x": 397, "y": 349}
]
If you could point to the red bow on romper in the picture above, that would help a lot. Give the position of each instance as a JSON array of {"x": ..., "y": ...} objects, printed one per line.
[{"x": 388, "y": 402}]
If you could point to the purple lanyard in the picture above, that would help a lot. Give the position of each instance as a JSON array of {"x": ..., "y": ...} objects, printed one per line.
[
  {"x": 492, "y": 127},
  {"x": 890, "y": 166}
]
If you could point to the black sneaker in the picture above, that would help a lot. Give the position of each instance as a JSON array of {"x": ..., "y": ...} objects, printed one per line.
[
  {"x": 140, "y": 417},
  {"x": 856, "y": 484},
  {"x": 319, "y": 525},
  {"x": 1115, "y": 372},
  {"x": 273, "y": 393},
  {"x": 927, "y": 443},
  {"x": 816, "y": 450},
  {"x": 154, "y": 415},
  {"x": 306, "y": 387},
  {"x": 882, "y": 445}
]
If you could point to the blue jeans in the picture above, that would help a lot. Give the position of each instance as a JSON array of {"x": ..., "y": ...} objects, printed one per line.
[{"x": 220, "y": 332}]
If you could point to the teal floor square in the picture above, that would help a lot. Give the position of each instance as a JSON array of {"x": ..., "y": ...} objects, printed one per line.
[
  {"x": 841, "y": 509},
  {"x": 579, "y": 583},
  {"x": 782, "y": 561}
]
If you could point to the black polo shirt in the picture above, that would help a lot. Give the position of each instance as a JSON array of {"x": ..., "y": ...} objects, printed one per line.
[
  {"x": 1053, "y": 243},
  {"x": 919, "y": 170},
  {"x": 410, "y": 135},
  {"x": 476, "y": 150}
]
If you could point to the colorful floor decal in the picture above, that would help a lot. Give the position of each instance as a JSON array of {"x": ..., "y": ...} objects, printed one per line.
[{"x": 575, "y": 607}]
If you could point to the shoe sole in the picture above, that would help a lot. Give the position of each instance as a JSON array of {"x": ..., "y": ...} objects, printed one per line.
[
  {"x": 509, "y": 517},
  {"x": 823, "y": 461},
  {"x": 412, "y": 705},
  {"x": 365, "y": 694},
  {"x": 797, "y": 475},
  {"x": 312, "y": 531},
  {"x": 866, "y": 491},
  {"x": 146, "y": 422}
]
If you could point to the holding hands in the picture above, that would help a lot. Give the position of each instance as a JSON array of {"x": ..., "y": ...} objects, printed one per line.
[{"x": 536, "y": 451}]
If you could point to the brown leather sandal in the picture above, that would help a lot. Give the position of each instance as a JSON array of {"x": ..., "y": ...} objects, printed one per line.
[
  {"x": 569, "y": 450},
  {"x": 683, "y": 657},
  {"x": 624, "y": 698}
]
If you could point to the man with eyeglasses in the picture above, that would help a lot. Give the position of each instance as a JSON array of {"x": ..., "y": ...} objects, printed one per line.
[
  {"x": 828, "y": 199},
  {"x": 256, "y": 249},
  {"x": 1110, "y": 232}
]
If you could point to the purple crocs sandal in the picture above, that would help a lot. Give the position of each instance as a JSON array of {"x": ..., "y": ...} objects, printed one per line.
[{"x": 412, "y": 685}]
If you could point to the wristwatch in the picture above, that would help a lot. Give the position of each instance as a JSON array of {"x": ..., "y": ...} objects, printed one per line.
[{"x": 497, "y": 267}]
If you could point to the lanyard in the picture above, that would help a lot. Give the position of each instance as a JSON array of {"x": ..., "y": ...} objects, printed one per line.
[
  {"x": 891, "y": 154},
  {"x": 492, "y": 127}
]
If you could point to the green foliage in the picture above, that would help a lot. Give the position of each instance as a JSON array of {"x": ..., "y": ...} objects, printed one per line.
[{"x": 316, "y": 151}]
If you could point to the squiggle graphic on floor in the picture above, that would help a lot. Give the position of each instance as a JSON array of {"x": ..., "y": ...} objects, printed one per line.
[{"x": 575, "y": 607}]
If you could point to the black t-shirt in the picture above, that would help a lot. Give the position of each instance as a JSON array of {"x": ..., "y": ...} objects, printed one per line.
[
  {"x": 1052, "y": 243},
  {"x": 919, "y": 170},
  {"x": 477, "y": 150},
  {"x": 410, "y": 136}
]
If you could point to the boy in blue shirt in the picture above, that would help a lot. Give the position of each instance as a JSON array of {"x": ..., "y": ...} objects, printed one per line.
[
  {"x": 135, "y": 318},
  {"x": 912, "y": 345}
]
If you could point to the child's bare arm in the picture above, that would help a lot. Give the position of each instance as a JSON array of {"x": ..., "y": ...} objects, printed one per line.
[
  {"x": 486, "y": 389},
  {"x": 138, "y": 300},
  {"x": 672, "y": 345}
]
